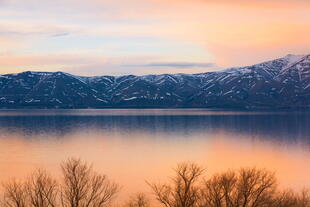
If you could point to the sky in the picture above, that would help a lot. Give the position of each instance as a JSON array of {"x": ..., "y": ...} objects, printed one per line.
[{"x": 117, "y": 37}]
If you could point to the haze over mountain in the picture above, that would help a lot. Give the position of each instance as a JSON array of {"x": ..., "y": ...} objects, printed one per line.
[{"x": 280, "y": 83}]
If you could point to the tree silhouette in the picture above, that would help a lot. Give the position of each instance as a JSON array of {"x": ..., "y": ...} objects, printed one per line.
[
  {"x": 81, "y": 187},
  {"x": 41, "y": 190},
  {"x": 183, "y": 190},
  {"x": 139, "y": 200},
  {"x": 244, "y": 188},
  {"x": 247, "y": 187},
  {"x": 14, "y": 194}
]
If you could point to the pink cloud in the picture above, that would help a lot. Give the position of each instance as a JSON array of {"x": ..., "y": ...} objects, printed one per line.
[{"x": 233, "y": 32}]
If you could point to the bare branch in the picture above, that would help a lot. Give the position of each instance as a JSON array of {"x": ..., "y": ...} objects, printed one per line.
[
  {"x": 184, "y": 190},
  {"x": 83, "y": 187},
  {"x": 41, "y": 189},
  {"x": 14, "y": 194},
  {"x": 139, "y": 200}
]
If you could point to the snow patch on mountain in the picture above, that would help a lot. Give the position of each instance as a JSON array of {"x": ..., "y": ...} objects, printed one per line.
[{"x": 283, "y": 82}]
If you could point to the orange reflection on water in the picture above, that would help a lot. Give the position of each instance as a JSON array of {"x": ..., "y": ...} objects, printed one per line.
[{"x": 131, "y": 158}]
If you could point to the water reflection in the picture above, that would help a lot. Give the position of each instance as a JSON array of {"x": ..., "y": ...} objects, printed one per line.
[
  {"x": 288, "y": 127},
  {"x": 137, "y": 145}
]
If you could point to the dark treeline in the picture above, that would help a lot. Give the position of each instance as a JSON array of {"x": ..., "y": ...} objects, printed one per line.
[{"x": 81, "y": 186}]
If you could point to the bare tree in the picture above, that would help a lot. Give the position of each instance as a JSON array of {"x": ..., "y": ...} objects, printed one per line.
[
  {"x": 255, "y": 187},
  {"x": 289, "y": 198},
  {"x": 245, "y": 188},
  {"x": 184, "y": 189},
  {"x": 41, "y": 189},
  {"x": 286, "y": 198},
  {"x": 304, "y": 198},
  {"x": 139, "y": 200},
  {"x": 82, "y": 187},
  {"x": 218, "y": 191},
  {"x": 14, "y": 194}
]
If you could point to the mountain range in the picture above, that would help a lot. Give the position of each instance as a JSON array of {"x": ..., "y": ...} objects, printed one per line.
[{"x": 280, "y": 83}]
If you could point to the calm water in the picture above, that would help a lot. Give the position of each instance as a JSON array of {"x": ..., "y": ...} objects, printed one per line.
[{"x": 132, "y": 146}]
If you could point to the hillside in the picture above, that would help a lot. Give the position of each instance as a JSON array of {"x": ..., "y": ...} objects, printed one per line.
[{"x": 280, "y": 83}]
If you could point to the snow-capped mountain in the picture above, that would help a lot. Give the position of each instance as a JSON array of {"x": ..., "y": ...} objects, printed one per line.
[{"x": 280, "y": 83}]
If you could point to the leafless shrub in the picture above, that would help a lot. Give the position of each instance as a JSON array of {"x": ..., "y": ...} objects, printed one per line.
[
  {"x": 290, "y": 198},
  {"x": 82, "y": 187},
  {"x": 248, "y": 187},
  {"x": 14, "y": 194},
  {"x": 245, "y": 188},
  {"x": 41, "y": 190},
  {"x": 184, "y": 189},
  {"x": 304, "y": 198},
  {"x": 286, "y": 198},
  {"x": 139, "y": 200}
]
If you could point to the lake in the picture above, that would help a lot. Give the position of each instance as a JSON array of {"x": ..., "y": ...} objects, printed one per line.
[{"x": 133, "y": 146}]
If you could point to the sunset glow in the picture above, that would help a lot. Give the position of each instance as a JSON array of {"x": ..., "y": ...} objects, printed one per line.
[
  {"x": 105, "y": 37},
  {"x": 149, "y": 160}
]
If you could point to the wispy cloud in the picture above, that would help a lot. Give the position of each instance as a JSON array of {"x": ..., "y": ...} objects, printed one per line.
[
  {"x": 25, "y": 28},
  {"x": 196, "y": 33},
  {"x": 173, "y": 65},
  {"x": 61, "y": 34},
  {"x": 83, "y": 64}
]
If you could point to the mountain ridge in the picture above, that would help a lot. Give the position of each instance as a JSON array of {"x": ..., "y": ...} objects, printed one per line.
[{"x": 279, "y": 83}]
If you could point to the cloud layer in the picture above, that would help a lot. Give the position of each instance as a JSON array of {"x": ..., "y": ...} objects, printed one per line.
[{"x": 107, "y": 36}]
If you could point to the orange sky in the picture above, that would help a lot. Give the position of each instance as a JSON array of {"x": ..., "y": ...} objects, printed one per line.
[{"x": 99, "y": 37}]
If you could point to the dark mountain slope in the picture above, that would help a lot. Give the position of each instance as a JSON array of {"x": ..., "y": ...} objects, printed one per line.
[{"x": 280, "y": 83}]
